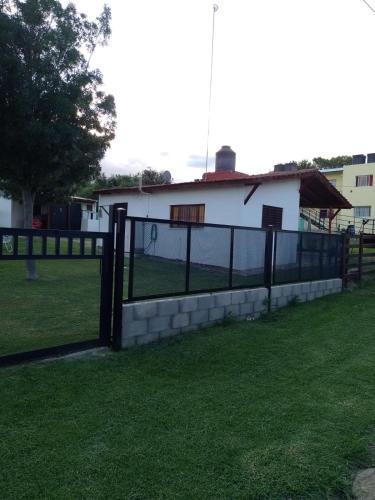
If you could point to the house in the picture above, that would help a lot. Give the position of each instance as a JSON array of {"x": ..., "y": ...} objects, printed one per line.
[
  {"x": 227, "y": 196},
  {"x": 356, "y": 183},
  {"x": 70, "y": 215},
  {"x": 79, "y": 213},
  {"x": 11, "y": 212}
]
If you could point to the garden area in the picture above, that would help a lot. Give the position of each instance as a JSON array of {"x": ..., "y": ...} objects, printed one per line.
[{"x": 279, "y": 408}]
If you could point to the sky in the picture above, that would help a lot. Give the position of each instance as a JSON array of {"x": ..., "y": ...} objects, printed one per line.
[{"x": 292, "y": 80}]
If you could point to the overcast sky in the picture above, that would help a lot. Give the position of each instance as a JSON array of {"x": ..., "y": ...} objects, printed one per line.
[{"x": 292, "y": 79}]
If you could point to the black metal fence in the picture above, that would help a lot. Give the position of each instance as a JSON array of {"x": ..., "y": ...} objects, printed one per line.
[
  {"x": 303, "y": 256},
  {"x": 34, "y": 244},
  {"x": 164, "y": 258}
]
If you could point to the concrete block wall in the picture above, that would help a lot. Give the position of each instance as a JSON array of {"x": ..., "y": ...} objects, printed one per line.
[{"x": 151, "y": 320}]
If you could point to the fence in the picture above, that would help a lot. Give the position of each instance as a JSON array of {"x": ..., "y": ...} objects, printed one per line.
[
  {"x": 48, "y": 245},
  {"x": 359, "y": 257},
  {"x": 165, "y": 258}
]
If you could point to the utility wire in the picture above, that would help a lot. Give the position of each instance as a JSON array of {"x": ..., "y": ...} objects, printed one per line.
[
  {"x": 369, "y": 6},
  {"x": 215, "y": 9}
]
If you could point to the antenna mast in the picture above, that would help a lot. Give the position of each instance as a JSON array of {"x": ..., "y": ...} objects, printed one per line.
[{"x": 215, "y": 9}]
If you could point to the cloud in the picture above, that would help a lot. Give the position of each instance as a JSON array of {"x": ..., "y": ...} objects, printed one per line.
[
  {"x": 132, "y": 166},
  {"x": 199, "y": 161}
]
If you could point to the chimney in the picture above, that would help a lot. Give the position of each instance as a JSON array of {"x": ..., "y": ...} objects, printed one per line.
[
  {"x": 358, "y": 159},
  {"x": 285, "y": 167},
  {"x": 225, "y": 160}
]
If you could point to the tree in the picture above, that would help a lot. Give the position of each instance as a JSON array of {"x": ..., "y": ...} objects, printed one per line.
[
  {"x": 319, "y": 162},
  {"x": 56, "y": 121},
  {"x": 149, "y": 177},
  {"x": 335, "y": 161}
]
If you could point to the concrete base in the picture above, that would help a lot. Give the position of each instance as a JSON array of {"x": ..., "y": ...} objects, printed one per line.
[{"x": 151, "y": 320}]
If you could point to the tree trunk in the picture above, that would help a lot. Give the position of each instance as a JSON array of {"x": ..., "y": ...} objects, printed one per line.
[{"x": 28, "y": 208}]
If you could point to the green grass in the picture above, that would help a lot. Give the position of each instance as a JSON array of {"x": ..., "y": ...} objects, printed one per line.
[
  {"x": 60, "y": 307},
  {"x": 281, "y": 408}
]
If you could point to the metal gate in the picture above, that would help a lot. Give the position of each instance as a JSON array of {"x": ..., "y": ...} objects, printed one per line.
[{"x": 34, "y": 244}]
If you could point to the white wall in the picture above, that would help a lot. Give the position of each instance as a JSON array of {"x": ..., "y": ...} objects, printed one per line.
[
  {"x": 5, "y": 212},
  {"x": 210, "y": 246},
  {"x": 224, "y": 205}
]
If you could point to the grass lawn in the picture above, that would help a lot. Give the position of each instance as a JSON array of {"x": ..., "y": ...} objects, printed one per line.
[
  {"x": 280, "y": 408},
  {"x": 60, "y": 307}
]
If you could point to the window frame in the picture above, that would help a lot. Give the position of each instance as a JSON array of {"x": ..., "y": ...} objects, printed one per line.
[
  {"x": 186, "y": 206},
  {"x": 369, "y": 180},
  {"x": 275, "y": 226},
  {"x": 362, "y": 216}
]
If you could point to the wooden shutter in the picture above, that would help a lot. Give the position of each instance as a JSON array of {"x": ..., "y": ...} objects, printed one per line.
[{"x": 272, "y": 216}]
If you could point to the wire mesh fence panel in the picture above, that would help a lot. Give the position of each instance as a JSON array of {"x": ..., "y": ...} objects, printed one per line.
[
  {"x": 306, "y": 256},
  {"x": 286, "y": 257},
  {"x": 209, "y": 258},
  {"x": 332, "y": 256},
  {"x": 159, "y": 266},
  {"x": 248, "y": 257},
  {"x": 311, "y": 256}
]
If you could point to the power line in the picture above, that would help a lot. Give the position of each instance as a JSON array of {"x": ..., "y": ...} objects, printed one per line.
[
  {"x": 369, "y": 6},
  {"x": 215, "y": 9}
]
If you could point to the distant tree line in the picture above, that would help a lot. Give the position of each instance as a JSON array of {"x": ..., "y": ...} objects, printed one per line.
[
  {"x": 149, "y": 176},
  {"x": 319, "y": 162}
]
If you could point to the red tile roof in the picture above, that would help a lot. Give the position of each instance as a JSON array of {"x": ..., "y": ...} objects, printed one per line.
[
  {"x": 316, "y": 191},
  {"x": 223, "y": 176}
]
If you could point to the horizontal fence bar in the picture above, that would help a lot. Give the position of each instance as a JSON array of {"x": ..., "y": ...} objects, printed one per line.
[
  {"x": 61, "y": 350},
  {"x": 50, "y": 257},
  {"x": 192, "y": 224},
  {"x": 191, "y": 292},
  {"x": 11, "y": 231}
]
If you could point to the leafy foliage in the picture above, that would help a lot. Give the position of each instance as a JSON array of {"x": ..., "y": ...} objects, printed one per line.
[
  {"x": 150, "y": 177},
  {"x": 319, "y": 162},
  {"x": 56, "y": 120}
]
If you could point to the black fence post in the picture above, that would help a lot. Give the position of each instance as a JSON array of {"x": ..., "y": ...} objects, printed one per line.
[
  {"x": 300, "y": 250},
  {"x": 268, "y": 253},
  {"x": 231, "y": 257},
  {"x": 106, "y": 289},
  {"x": 188, "y": 251},
  {"x": 119, "y": 280},
  {"x": 344, "y": 259},
  {"x": 274, "y": 269},
  {"x": 322, "y": 236},
  {"x": 360, "y": 257},
  {"x": 131, "y": 260}
]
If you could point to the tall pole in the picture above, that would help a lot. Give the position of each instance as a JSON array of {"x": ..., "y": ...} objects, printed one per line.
[{"x": 214, "y": 10}]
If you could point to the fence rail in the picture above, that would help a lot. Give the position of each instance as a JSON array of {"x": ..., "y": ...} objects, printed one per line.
[
  {"x": 359, "y": 257},
  {"x": 18, "y": 244},
  {"x": 165, "y": 258},
  {"x": 49, "y": 244}
]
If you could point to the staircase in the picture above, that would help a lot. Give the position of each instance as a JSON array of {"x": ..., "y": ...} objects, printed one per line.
[{"x": 339, "y": 224}]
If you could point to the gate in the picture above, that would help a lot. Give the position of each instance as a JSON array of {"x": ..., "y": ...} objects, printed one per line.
[
  {"x": 359, "y": 257},
  {"x": 47, "y": 245}
]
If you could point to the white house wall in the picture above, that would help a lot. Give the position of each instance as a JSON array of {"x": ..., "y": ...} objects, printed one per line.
[
  {"x": 210, "y": 246},
  {"x": 222, "y": 205},
  {"x": 5, "y": 212}
]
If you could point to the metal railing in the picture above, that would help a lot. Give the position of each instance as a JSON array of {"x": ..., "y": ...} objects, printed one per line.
[{"x": 165, "y": 258}]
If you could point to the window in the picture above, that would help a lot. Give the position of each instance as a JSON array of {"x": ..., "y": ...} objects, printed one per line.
[
  {"x": 272, "y": 216},
  {"x": 187, "y": 213},
  {"x": 333, "y": 182},
  {"x": 362, "y": 211},
  {"x": 363, "y": 180},
  {"x": 323, "y": 213}
]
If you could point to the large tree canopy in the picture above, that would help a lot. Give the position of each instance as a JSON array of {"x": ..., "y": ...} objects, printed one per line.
[{"x": 56, "y": 121}]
